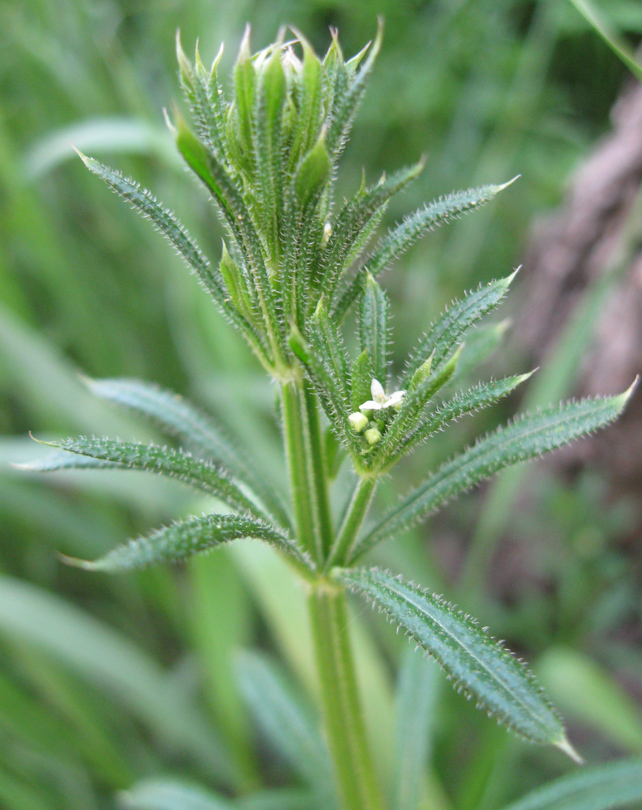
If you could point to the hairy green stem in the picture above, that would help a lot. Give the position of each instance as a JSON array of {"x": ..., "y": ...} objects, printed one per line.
[
  {"x": 294, "y": 429},
  {"x": 306, "y": 467},
  {"x": 352, "y": 522},
  {"x": 344, "y": 727},
  {"x": 320, "y": 502},
  {"x": 341, "y": 711}
]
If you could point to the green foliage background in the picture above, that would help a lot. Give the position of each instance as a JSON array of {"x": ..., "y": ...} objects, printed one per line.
[{"x": 487, "y": 90}]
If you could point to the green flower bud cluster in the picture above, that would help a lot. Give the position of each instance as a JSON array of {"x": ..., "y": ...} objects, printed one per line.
[
  {"x": 383, "y": 406},
  {"x": 267, "y": 155}
]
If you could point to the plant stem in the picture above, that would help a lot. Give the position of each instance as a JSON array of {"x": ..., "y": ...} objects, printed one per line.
[
  {"x": 296, "y": 455},
  {"x": 304, "y": 450},
  {"x": 352, "y": 521},
  {"x": 343, "y": 722},
  {"x": 323, "y": 523},
  {"x": 340, "y": 706}
]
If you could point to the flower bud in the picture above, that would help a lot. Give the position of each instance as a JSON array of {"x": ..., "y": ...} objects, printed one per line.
[
  {"x": 358, "y": 421},
  {"x": 373, "y": 435}
]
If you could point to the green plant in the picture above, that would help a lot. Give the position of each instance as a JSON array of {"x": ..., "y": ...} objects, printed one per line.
[{"x": 292, "y": 271}]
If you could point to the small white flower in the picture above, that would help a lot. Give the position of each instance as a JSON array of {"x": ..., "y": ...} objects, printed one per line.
[{"x": 380, "y": 399}]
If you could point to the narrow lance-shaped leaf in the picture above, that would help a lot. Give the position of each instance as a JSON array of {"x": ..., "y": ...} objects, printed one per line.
[
  {"x": 217, "y": 180},
  {"x": 354, "y": 219},
  {"x": 402, "y": 236},
  {"x": 480, "y": 344},
  {"x": 423, "y": 388},
  {"x": 302, "y": 222},
  {"x": 195, "y": 83},
  {"x": 270, "y": 101},
  {"x": 244, "y": 92},
  {"x": 361, "y": 379},
  {"x": 435, "y": 213},
  {"x": 481, "y": 396},
  {"x": 309, "y": 93},
  {"x": 326, "y": 340},
  {"x": 606, "y": 787},
  {"x": 160, "y": 460},
  {"x": 373, "y": 327},
  {"x": 459, "y": 317},
  {"x": 529, "y": 436},
  {"x": 476, "y": 663},
  {"x": 218, "y": 104},
  {"x": 179, "y": 418},
  {"x": 168, "y": 224},
  {"x": 346, "y": 103},
  {"x": 312, "y": 175},
  {"x": 236, "y": 285},
  {"x": 177, "y": 542},
  {"x": 330, "y": 394}
]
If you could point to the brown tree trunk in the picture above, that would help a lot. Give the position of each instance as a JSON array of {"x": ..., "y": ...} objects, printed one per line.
[{"x": 573, "y": 249}]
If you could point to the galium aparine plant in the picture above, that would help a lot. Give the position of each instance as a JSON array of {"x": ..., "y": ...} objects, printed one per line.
[{"x": 295, "y": 262}]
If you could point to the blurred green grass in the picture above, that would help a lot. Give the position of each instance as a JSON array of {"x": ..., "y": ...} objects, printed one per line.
[{"x": 105, "y": 681}]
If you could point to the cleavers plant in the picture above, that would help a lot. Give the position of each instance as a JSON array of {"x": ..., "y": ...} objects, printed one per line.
[{"x": 294, "y": 265}]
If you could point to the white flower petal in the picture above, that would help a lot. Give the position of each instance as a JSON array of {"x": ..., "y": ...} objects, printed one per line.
[
  {"x": 376, "y": 389},
  {"x": 394, "y": 399},
  {"x": 371, "y": 406}
]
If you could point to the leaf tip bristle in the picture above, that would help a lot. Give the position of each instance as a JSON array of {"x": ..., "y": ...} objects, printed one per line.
[
  {"x": 509, "y": 183},
  {"x": 514, "y": 273},
  {"x": 23, "y": 465},
  {"x": 86, "y": 160},
  {"x": 169, "y": 122},
  {"x": 76, "y": 562},
  {"x": 564, "y": 745},
  {"x": 626, "y": 396},
  {"x": 39, "y": 441}
]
